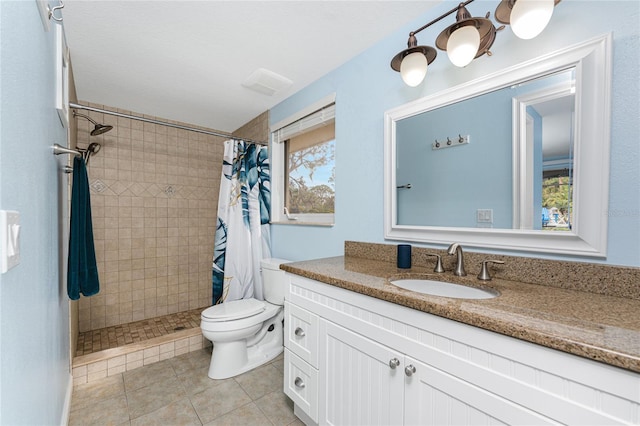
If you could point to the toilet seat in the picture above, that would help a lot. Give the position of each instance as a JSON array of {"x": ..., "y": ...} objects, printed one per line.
[
  {"x": 237, "y": 324},
  {"x": 233, "y": 310}
]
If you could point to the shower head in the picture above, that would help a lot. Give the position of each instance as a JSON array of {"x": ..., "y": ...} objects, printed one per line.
[
  {"x": 87, "y": 152},
  {"x": 98, "y": 128},
  {"x": 93, "y": 148}
]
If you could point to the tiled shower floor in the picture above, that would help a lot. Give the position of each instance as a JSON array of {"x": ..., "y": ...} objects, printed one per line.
[{"x": 138, "y": 331}]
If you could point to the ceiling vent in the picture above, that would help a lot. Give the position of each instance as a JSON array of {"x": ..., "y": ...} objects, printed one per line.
[{"x": 266, "y": 82}]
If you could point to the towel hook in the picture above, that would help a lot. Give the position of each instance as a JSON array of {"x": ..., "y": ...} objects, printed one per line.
[{"x": 53, "y": 10}]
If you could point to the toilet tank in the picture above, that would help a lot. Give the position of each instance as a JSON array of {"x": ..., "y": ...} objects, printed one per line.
[{"x": 273, "y": 280}]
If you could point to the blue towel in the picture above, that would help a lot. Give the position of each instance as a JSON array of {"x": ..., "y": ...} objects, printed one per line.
[{"x": 82, "y": 271}]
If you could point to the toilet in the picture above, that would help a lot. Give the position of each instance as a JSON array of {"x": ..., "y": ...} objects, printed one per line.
[{"x": 249, "y": 332}]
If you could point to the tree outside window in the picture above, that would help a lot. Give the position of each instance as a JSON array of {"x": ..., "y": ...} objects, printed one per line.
[
  {"x": 311, "y": 172},
  {"x": 557, "y": 197}
]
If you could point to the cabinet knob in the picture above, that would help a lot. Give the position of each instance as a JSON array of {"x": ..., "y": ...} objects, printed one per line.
[
  {"x": 393, "y": 363},
  {"x": 299, "y": 332},
  {"x": 409, "y": 370},
  {"x": 299, "y": 383}
]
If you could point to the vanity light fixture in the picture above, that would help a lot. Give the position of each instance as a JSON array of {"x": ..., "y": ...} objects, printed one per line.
[
  {"x": 527, "y": 18},
  {"x": 468, "y": 38},
  {"x": 471, "y": 37},
  {"x": 412, "y": 63}
]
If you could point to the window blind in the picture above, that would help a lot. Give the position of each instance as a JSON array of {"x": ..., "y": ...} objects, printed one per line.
[{"x": 310, "y": 122}]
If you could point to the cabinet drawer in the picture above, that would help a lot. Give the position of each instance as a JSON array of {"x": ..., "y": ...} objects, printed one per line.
[
  {"x": 301, "y": 384},
  {"x": 301, "y": 333}
]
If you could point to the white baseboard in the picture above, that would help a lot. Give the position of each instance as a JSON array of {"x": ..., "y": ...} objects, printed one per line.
[{"x": 66, "y": 408}]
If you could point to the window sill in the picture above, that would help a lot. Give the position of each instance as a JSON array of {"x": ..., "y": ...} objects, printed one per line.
[{"x": 302, "y": 223}]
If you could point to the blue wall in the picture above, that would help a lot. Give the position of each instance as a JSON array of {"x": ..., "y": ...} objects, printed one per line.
[
  {"x": 366, "y": 87},
  {"x": 34, "y": 311}
]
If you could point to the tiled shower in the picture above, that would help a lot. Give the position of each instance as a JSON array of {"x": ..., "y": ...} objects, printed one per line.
[{"x": 154, "y": 195}]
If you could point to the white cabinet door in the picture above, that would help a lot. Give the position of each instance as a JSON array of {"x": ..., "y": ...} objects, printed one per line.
[
  {"x": 434, "y": 397},
  {"x": 360, "y": 381}
]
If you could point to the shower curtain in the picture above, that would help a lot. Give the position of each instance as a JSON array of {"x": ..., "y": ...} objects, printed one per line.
[{"x": 242, "y": 235}]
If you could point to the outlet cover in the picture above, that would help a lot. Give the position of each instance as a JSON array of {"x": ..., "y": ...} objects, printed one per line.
[
  {"x": 484, "y": 216},
  {"x": 9, "y": 240}
]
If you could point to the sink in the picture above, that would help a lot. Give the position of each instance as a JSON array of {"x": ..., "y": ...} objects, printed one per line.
[{"x": 443, "y": 289}]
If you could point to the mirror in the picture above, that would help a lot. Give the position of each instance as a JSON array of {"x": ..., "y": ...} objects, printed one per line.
[
  {"x": 430, "y": 193},
  {"x": 516, "y": 160}
]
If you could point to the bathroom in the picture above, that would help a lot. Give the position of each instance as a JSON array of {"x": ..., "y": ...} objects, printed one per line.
[{"x": 35, "y": 341}]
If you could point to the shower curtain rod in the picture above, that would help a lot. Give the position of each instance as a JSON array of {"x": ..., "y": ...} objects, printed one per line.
[{"x": 162, "y": 123}]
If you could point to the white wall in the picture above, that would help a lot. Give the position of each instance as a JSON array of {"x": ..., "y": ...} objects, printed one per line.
[
  {"x": 366, "y": 87},
  {"x": 34, "y": 311}
]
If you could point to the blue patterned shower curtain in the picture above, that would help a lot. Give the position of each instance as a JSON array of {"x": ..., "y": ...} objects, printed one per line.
[{"x": 242, "y": 234}]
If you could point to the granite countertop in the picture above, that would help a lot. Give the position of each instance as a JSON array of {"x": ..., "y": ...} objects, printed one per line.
[{"x": 599, "y": 327}]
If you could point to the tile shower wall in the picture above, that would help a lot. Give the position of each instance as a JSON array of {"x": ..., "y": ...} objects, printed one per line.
[
  {"x": 154, "y": 194},
  {"x": 256, "y": 129}
]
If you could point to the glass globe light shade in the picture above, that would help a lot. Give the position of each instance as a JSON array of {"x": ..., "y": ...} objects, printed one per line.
[
  {"x": 530, "y": 17},
  {"x": 413, "y": 68},
  {"x": 463, "y": 45}
]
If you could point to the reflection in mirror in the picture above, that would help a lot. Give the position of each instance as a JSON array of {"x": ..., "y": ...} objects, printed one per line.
[
  {"x": 543, "y": 123},
  {"x": 476, "y": 184},
  {"x": 515, "y": 160}
]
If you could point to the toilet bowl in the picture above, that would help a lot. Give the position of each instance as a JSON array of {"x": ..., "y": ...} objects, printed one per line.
[{"x": 249, "y": 332}]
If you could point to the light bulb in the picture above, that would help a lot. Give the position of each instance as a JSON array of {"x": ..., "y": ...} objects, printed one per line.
[
  {"x": 413, "y": 68},
  {"x": 530, "y": 17},
  {"x": 463, "y": 45}
]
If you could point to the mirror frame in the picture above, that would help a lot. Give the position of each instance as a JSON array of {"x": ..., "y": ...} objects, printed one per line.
[{"x": 592, "y": 61}]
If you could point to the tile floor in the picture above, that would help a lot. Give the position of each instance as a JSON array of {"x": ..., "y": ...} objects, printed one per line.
[
  {"x": 138, "y": 331},
  {"x": 177, "y": 391}
]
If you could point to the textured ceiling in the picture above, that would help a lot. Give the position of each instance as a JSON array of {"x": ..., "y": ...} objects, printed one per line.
[{"x": 186, "y": 60}]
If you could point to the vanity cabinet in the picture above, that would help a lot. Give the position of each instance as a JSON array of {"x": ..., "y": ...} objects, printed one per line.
[
  {"x": 370, "y": 384},
  {"x": 359, "y": 360}
]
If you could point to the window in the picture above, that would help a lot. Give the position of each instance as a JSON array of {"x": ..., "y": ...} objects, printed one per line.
[
  {"x": 309, "y": 187},
  {"x": 303, "y": 161},
  {"x": 557, "y": 197}
]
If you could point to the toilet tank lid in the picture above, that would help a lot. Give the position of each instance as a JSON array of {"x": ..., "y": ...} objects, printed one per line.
[
  {"x": 273, "y": 263},
  {"x": 234, "y": 309}
]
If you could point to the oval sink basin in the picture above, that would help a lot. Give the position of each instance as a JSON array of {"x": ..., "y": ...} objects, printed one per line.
[{"x": 439, "y": 288}]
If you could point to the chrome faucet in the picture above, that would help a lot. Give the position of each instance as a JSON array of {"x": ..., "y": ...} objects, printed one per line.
[{"x": 456, "y": 249}]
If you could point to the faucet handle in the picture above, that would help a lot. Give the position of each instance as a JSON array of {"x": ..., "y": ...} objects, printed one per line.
[
  {"x": 484, "y": 272},
  {"x": 439, "y": 268}
]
